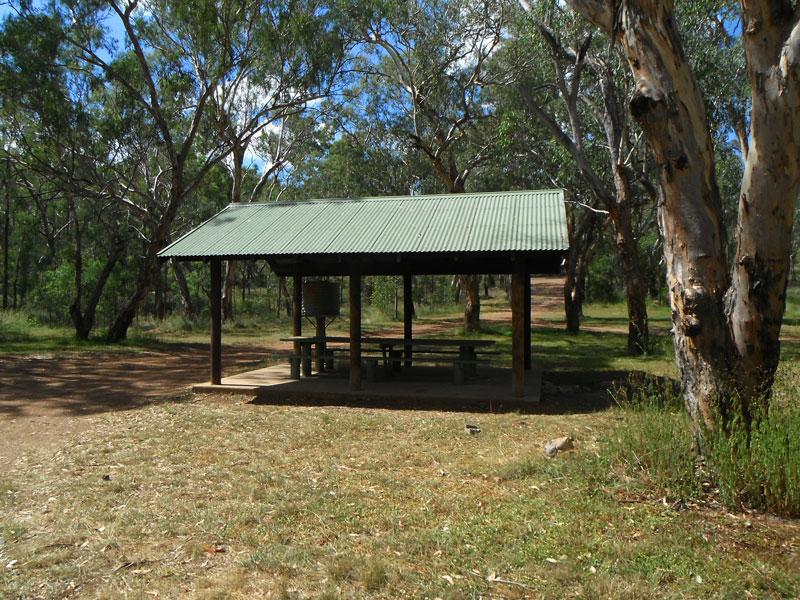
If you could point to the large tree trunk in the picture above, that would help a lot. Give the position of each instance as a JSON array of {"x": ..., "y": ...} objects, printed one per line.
[
  {"x": 618, "y": 201},
  {"x": 228, "y": 285},
  {"x": 6, "y": 231},
  {"x": 83, "y": 317},
  {"x": 635, "y": 286},
  {"x": 669, "y": 107},
  {"x": 574, "y": 295},
  {"x": 84, "y": 320},
  {"x": 287, "y": 298},
  {"x": 770, "y": 187},
  {"x": 149, "y": 264},
  {"x": 621, "y": 210},
  {"x": 148, "y": 270},
  {"x": 726, "y": 331},
  {"x": 237, "y": 178},
  {"x": 468, "y": 285}
]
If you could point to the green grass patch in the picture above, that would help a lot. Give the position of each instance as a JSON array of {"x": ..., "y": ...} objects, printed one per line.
[{"x": 213, "y": 498}]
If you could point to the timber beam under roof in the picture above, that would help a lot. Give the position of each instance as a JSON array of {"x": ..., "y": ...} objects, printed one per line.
[{"x": 477, "y": 263}]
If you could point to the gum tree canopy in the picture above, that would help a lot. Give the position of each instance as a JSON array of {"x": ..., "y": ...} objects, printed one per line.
[{"x": 726, "y": 314}]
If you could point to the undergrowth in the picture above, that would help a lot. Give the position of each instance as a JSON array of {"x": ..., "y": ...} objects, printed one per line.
[
  {"x": 654, "y": 442},
  {"x": 15, "y": 326},
  {"x": 655, "y": 445},
  {"x": 761, "y": 470}
]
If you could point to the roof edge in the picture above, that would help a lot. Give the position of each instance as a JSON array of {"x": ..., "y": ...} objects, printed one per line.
[
  {"x": 559, "y": 191},
  {"x": 166, "y": 248}
]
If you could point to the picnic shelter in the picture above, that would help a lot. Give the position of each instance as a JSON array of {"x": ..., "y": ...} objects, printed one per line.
[{"x": 522, "y": 233}]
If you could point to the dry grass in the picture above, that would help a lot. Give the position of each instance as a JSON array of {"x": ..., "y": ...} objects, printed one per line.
[{"x": 210, "y": 498}]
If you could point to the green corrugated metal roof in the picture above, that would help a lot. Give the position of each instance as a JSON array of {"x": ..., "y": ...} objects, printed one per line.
[{"x": 471, "y": 222}]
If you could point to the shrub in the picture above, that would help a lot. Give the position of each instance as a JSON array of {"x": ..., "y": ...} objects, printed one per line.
[
  {"x": 15, "y": 326},
  {"x": 384, "y": 294},
  {"x": 604, "y": 283},
  {"x": 180, "y": 323}
]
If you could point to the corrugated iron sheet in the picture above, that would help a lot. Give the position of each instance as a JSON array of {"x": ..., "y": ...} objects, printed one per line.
[{"x": 471, "y": 222}]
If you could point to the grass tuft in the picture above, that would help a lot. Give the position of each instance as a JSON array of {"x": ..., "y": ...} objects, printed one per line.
[
  {"x": 343, "y": 568},
  {"x": 374, "y": 575},
  {"x": 761, "y": 470},
  {"x": 654, "y": 442},
  {"x": 756, "y": 470}
]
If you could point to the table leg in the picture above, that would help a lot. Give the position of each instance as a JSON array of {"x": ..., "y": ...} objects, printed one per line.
[
  {"x": 305, "y": 354},
  {"x": 321, "y": 348},
  {"x": 473, "y": 356},
  {"x": 386, "y": 351},
  {"x": 467, "y": 353}
]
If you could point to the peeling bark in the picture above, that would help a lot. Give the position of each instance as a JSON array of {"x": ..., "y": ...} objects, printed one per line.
[
  {"x": 770, "y": 186},
  {"x": 726, "y": 318}
]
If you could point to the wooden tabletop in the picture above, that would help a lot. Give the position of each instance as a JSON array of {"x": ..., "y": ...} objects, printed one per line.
[{"x": 387, "y": 341}]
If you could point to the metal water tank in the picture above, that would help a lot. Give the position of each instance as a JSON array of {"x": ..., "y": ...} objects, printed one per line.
[{"x": 320, "y": 298}]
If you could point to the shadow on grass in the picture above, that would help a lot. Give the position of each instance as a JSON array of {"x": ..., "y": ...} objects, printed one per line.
[
  {"x": 584, "y": 352},
  {"x": 562, "y": 393},
  {"x": 69, "y": 343},
  {"x": 585, "y": 402}
]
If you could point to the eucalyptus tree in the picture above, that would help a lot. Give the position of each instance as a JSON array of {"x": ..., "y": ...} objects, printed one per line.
[
  {"x": 166, "y": 70},
  {"x": 264, "y": 112},
  {"x": 526, "y": 158},
  {"x": 580, "y": 102},
  {"x": 432, "y": 61},
  {"x": 8, "y": 192},
  {"x": 727, "y": 313},
  {"x": 61, "y": 161}
]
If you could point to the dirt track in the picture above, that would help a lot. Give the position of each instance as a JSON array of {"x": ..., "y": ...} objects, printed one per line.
[{"x": 45, "y": 399}]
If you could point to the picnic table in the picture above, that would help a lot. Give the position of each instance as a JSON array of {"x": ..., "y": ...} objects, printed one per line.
[{"x": 392, "y": 349}]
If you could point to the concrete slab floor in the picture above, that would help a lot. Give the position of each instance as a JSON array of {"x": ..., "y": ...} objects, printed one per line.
[{"x": 489, "y": 385}]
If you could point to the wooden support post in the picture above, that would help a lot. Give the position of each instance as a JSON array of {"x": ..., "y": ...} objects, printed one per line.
[
  {"x": 320, "y": 345},
  {"x": 527, "y": 292},
  {"x": 297, "y": 319},
  {"x": 216, "y": 321},
  {"x": 355, "y": 327},
  {"x": 408, "y": 313},
  {"x": 518, "y": 329},
  {"x": 297, "y": 310}
]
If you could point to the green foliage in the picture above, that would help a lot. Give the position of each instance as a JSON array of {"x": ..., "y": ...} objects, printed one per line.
[
  {"x": 604, "y": 283},
  {"x": 180, "y": 323},
  {"x": 386, "y": 292},
  {"x": 54, "y": 294},
  {"x": 15, "y": 326}
]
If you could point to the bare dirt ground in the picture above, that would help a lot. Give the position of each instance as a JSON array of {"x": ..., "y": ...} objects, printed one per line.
[{"x": 47, "y": 399}]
